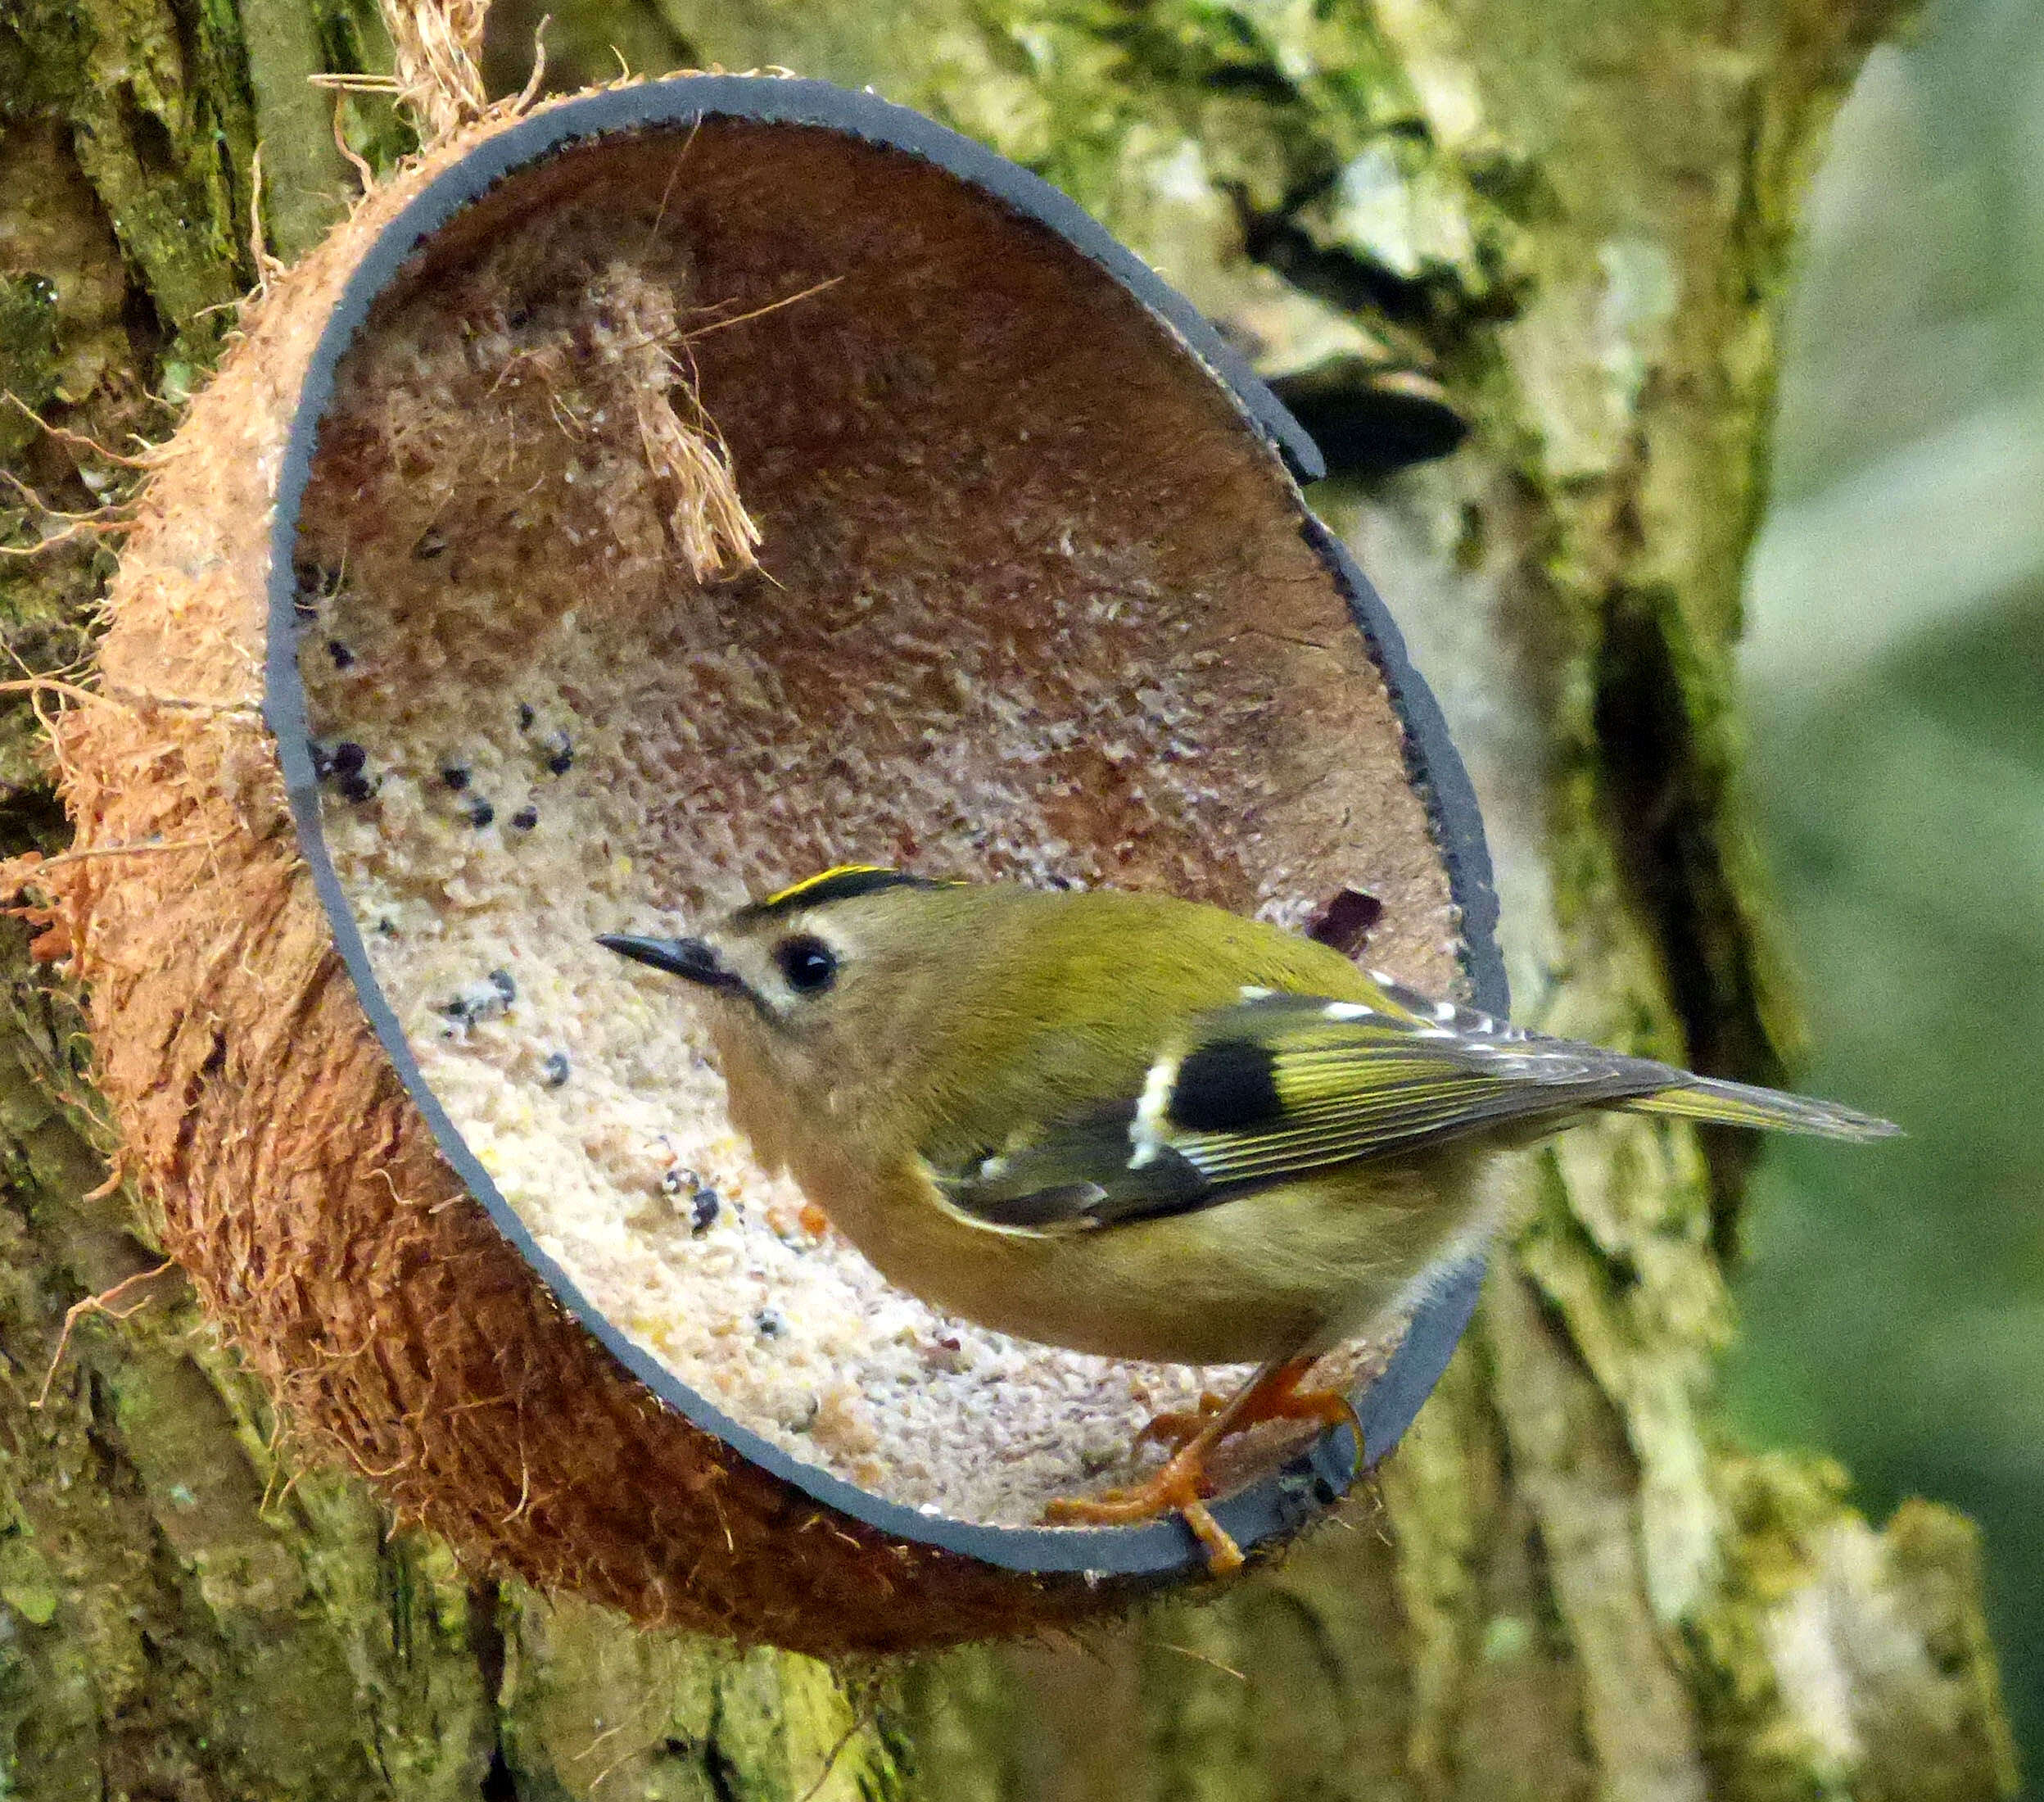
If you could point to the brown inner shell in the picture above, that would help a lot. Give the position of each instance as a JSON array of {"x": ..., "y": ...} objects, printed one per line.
[{"x": 1033, "y": 603}]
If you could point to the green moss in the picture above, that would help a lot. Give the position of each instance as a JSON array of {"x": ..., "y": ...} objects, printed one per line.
[
  {"x": 28, "y": 351},
  {"x": 591, "y": 1708},
  {"x": 27, "y": 1584},
  {"x": 1941, "y": 1733}
]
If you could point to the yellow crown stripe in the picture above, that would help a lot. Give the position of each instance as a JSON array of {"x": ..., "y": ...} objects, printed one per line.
[{"x": 795, "y": 891}]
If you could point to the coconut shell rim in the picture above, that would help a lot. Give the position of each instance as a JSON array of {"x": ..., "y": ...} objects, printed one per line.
[{"x": 1277, "y": 1504}]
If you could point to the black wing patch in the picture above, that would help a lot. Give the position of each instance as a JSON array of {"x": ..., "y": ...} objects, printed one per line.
[{"x": 1226, "y": 1085}]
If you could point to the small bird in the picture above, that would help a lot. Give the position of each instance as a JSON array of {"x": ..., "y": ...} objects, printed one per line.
[{"x": 1141, "y": 1126}]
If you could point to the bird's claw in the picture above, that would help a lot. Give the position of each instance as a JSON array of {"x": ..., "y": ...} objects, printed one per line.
[
  {"x": 1179, "y": 1486},
  {"x": 1182, "y": 1485}
]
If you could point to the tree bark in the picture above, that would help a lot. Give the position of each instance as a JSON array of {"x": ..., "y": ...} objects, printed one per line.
[{"x": 1569, "y": 227}]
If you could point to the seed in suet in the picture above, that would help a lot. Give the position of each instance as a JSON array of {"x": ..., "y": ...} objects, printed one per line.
[
  {"x": 703, "y": 1209},
  {"x": 525, "y": 717},
  {"x": 483, "y": 1000},
  {"x": 480, "y": 811},
  {"x": 358, "y": 787},
  {"x": 322, "y": 759},
  {"x": 343, "y": 657},
  {"x": 555, "y": 1069},
  {"x": 314, "y": 584},
  {"x": 526, "y": 818},
  {"x": 455, "y": 775},
  {"x": 560, "y": 755},
  {"x": 431, "y": 542},
  {"x": 348, "y": 758},
  {"x": 501, "y": 981},
  {"x": 770, "y": 1322}
]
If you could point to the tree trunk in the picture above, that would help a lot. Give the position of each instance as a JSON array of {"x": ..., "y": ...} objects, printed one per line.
[{"x": 1569, "y": 227}]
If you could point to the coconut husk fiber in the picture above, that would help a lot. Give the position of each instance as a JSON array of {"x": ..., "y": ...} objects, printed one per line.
[{"x": 698, "y": 509}]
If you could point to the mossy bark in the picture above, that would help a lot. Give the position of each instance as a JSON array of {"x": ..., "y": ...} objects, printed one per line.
[{"x": 1567, "y": 227}]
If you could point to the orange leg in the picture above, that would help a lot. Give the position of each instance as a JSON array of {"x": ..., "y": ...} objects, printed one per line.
[{"x": 1182, "y": 1483}]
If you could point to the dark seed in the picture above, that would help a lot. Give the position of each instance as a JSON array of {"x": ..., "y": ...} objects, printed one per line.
[
  {"x": 480, "y": 813},
  {"x": 343, "y": 657},
  {"x": 387, "y": 926},
  {"x": 771, "y": 1323},
  {"x": 314, "y": 584},
  {"x": 555, "y": 1069},
  {"x": 560, "y": 758},
  {"x": 455, "y": 778},
  {"x": 482, "y": 1000},
  {"x": 357, "y": 787},
  {"x": 348, "y": 758},
  {"x": 1345, "y": 923},
  {"x": 703, "y": 1209},
  {"x": 432, "y": 542},
  {"x": 525, "y": 718},
  {"x": 322, "y": 759},
  {"x": 526, "y": 818}
]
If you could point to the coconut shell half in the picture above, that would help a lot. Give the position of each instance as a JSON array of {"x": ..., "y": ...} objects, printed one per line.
[{"x": 636, "y": 507}]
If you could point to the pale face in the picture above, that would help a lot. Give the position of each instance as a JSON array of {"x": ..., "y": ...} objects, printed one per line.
[{"x": 813, "y": 1011}]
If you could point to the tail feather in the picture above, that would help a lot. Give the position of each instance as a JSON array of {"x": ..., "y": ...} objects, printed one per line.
[{"x": 1740, "y": 1104}]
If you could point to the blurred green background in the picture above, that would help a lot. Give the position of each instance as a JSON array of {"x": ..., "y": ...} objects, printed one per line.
[{"x": 1894, "y": 1303}]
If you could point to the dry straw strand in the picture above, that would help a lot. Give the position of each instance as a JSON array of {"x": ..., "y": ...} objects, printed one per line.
[
  {"x": 438, "y": 75},
  {"x": 537, "y": 80},
  {"x": 713, "y": 531},
  {"x": 101, "y": 1303},
  {"x": 364, "y": 173},
  {"x": 267, "y": 268},
  {"x": 78, "y": 440}
]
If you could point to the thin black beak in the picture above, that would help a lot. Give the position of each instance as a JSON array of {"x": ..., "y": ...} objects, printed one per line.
[{"x": 690, "y": 958}]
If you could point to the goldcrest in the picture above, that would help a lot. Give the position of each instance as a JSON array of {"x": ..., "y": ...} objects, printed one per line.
[{"x": 1141, "y": 1126}]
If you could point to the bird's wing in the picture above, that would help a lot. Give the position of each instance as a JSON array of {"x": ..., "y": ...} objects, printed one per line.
[{"x": 1284, "y": 1085}]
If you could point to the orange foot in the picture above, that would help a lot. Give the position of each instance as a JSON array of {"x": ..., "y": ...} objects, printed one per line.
[{"x": 1182, "y": 1483}]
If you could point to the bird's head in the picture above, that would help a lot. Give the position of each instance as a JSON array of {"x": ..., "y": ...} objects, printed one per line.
[{"x": 810, "y": 993}]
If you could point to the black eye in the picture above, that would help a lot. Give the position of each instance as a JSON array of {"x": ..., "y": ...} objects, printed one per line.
[{"x": 809, "y": 964}]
